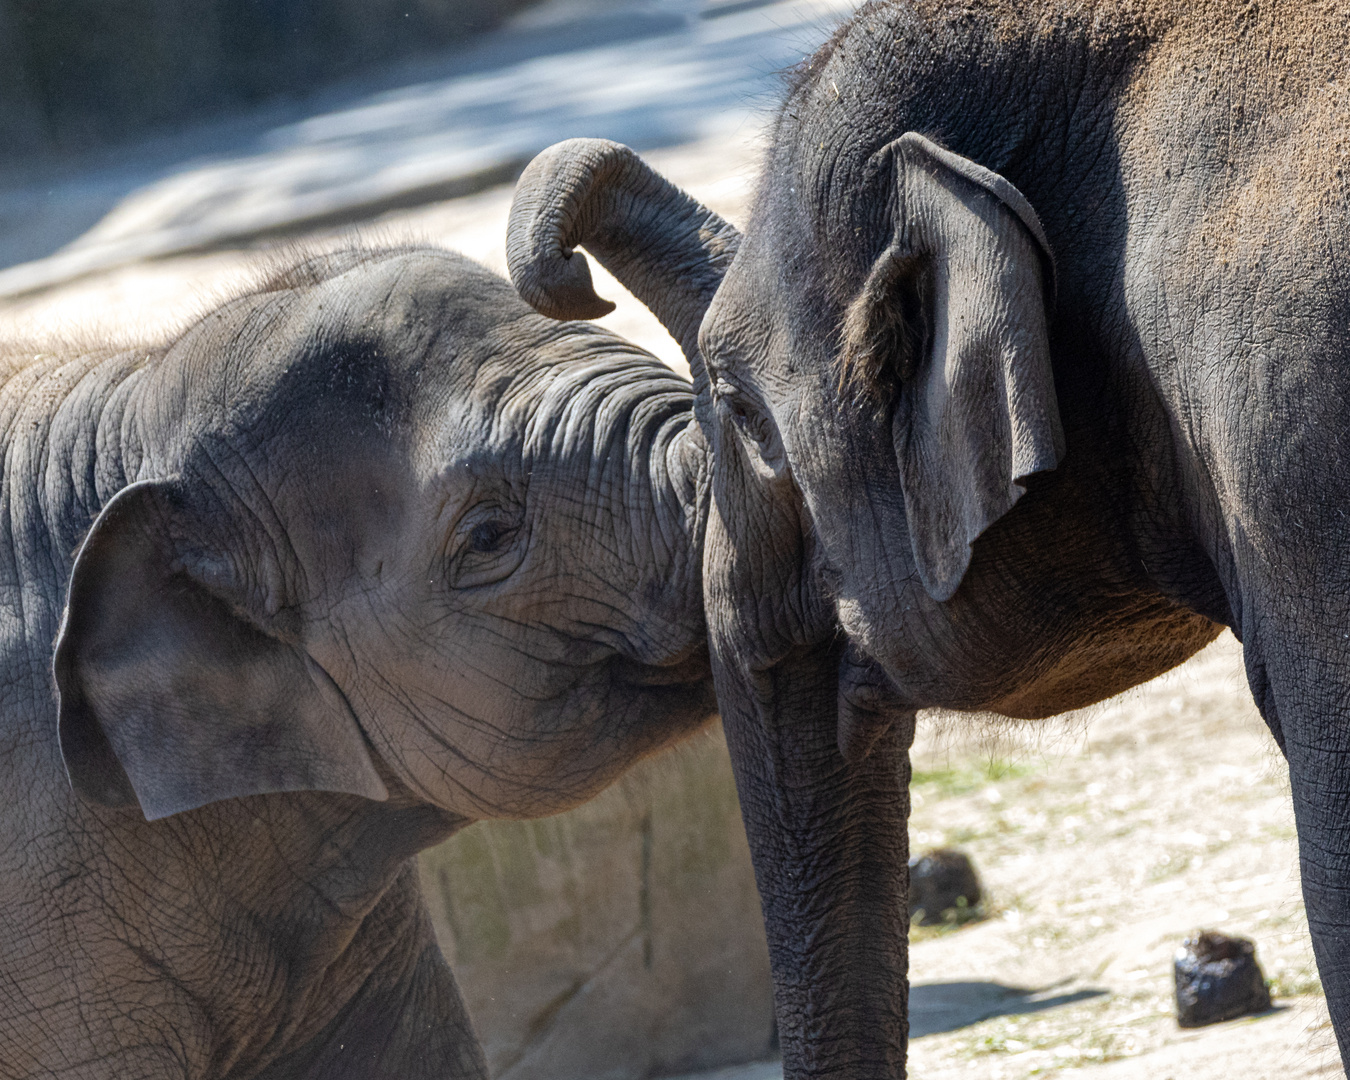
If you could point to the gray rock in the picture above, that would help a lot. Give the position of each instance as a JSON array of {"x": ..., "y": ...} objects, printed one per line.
[
  {"x": 1218, "y": 978},
  {"x": 940, "y": 881}
]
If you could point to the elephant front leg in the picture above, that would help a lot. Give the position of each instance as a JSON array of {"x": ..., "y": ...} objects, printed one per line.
[
  {"x": 1306, "y": 701},
  {"x": 407, "y": 1020},
  {"x": 830, "y": 846}
]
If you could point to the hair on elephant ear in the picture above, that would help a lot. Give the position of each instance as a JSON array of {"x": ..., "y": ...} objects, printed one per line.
[
  {"x": 172, "y": 693},
  {"x": 950, "y": 328}
]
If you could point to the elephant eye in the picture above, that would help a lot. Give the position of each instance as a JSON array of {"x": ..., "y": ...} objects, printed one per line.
[
  {"x": 488, "y": 536},
  {"x": 750, "y": 420},
  {"x": 488, "y": 545}
]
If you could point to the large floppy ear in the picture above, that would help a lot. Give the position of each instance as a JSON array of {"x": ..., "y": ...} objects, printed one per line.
[
  {"x": 171, "y": 692},
  {"x": 952, "y": 322}
]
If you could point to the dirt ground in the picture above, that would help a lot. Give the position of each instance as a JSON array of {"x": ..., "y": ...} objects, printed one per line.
[{"x": 1103, "y": 839}]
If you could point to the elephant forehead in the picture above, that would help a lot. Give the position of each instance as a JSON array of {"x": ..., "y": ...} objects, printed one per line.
[
  {"x": 423, "y": 284},
  {"x": 736, "y": 327},
  {"x": 430, "y": 318},
  {"x": 578, "y": 404}
]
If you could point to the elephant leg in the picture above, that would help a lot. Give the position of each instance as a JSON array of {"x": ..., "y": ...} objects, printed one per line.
[
  {"x": 830, "y": 847},
  {"x": 407, "y": 1021},
  {"x": 1300, "y": 681}
]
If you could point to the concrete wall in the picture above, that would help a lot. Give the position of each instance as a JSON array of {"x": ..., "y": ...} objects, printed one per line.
[{"x": 619, "y": 941}]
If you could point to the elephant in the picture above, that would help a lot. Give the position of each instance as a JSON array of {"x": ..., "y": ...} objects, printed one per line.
[
  {"x": 1024, "y": 380},
  {"x": 364, "y": 554}
]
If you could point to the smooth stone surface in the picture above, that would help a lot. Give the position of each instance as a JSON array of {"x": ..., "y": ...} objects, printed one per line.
[{"x": 619, "y": 941}]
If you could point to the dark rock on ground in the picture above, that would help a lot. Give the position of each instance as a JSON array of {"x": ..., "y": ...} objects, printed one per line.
[
  {"x": 940, "y": 881},
  {"x": 1218, "y": 978}
]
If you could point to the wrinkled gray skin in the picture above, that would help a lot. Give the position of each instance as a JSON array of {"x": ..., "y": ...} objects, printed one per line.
[
  {"x": 1030, "y": 371},
  {"x": 362, "y": 556}
]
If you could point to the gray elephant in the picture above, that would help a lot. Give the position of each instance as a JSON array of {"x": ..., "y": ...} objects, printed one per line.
[
  {"x": 1029, "y": 372},
  {"x": 365, "y": 554}
]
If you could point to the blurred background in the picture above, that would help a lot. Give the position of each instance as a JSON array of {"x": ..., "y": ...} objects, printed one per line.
[
  {"x": 154, "y": 153},
  {"x": 134, "y": 129},
  {"x": 87, "y": 73}
]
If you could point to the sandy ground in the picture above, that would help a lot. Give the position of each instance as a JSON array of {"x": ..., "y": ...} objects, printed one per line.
[{"x": 1103, "y": 839}]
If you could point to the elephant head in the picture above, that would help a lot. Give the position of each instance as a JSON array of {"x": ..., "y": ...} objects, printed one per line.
[{"x": 390, "y": 533}]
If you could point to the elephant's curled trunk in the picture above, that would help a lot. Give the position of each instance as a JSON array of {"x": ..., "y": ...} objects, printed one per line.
[{"x": 665, "y": 247}]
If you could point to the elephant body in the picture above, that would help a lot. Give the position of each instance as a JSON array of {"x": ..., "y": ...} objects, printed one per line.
[
  {"x": 1029, "y": 373},
  {"x": 1174, "y": 196},
  {"x": 365, "y": 554}
]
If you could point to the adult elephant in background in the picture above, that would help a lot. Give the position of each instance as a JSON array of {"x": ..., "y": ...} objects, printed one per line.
[
  {"x": 1030, "y": 370},
  {"x": 367, "y": 553}
]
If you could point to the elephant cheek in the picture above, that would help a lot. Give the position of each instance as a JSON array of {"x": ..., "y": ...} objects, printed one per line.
[{"x": 424, "y": 757}]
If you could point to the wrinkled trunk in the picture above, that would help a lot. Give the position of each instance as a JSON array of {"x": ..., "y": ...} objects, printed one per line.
[
  {"x": 667, "y": 249},
  {"x": 830, "y": 850},
  {"x": 828, "y": 836}
]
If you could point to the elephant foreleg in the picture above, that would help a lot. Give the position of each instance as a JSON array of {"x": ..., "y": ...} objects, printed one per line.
[{"x": 407, "y": 1020}]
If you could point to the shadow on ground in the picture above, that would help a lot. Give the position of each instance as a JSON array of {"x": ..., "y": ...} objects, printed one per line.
[
  {"x": 947, "y": 1006},
  {"x": 938, "y": 1007}
]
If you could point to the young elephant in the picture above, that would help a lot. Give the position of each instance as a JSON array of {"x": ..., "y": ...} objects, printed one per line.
[{"x": 373, "y": 545}]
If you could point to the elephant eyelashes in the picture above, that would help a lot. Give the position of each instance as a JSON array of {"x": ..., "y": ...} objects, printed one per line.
[{"x": 488, "y": 545}]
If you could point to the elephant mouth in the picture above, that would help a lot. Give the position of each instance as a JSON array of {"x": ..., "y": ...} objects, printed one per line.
[
  {"x": 689, "y": 670},
  {"x": 673, "y": 699}
]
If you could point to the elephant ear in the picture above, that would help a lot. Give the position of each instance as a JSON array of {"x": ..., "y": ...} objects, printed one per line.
[
  {"x": 170, "y": 692},
  {"x": 952, "y": 320}
]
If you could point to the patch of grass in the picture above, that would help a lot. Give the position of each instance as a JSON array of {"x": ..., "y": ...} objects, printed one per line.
[
  {"x": 1055, "y": 1042},
  {"x": 952, "y": 919},
  {"x": 971, "y": 776},
  {"x": 1072, "y": 1049},
  {"x": 1301, "y": 983}
]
